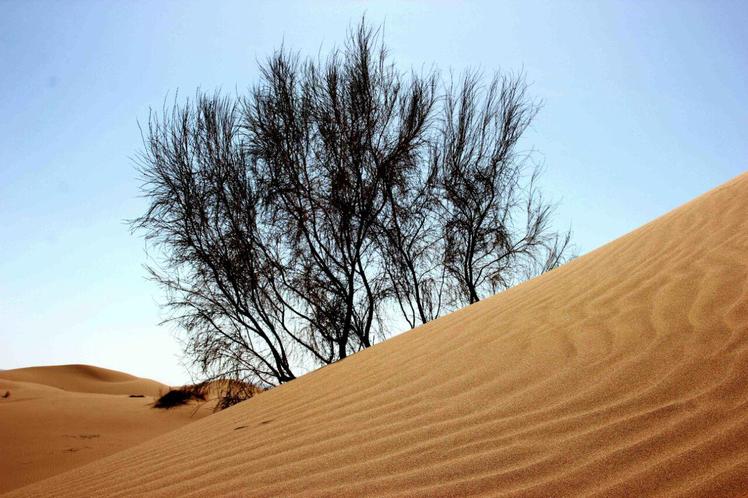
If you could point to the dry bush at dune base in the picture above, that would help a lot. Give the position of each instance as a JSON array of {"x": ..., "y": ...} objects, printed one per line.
[
  {"x": 181, "y": 396},
  {"x": 226, "y": 394}
]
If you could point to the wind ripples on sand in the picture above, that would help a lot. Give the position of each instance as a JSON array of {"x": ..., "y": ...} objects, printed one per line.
[{"x": 623, "y": 373}]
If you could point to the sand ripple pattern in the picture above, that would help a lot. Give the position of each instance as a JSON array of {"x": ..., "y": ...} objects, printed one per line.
[{"x": 624, "y": 373}]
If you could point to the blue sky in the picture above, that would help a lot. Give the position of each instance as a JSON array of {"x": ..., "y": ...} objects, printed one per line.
[{"x": 644, "y": 108}]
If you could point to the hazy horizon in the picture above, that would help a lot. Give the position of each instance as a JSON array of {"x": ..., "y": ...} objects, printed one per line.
[{"x": 643, "y": 110}]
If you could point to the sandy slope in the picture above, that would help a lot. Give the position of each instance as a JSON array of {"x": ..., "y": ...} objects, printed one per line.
[
  {"x": 59, "y": 417},
  {"x": 624, "y": 373}
]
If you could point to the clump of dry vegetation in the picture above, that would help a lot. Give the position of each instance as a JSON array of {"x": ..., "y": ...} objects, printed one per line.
[
  {"x": 182, "y": 396},
  {"x": 226, "y": 393}
]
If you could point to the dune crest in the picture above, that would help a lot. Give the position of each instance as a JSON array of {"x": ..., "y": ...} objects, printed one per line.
[
  {"x": 623, "y": 373},
  {"x": 85, "y": 379}
]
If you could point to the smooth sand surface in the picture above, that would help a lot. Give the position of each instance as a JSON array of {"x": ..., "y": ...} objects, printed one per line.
[
  {"x": 60, "y": 417},
  {"x": 623, "y": 373}
]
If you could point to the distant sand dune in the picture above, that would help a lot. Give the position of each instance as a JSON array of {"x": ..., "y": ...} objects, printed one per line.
[
  {"x": 623, "y": 373},
  {"x": 60, "y": 417},
  {"x": 85, "y": 379}
]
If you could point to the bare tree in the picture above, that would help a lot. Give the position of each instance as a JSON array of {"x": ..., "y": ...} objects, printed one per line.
[
  {"x": 286, "y": 225},
  {"x": 471, "y": 221},
  {"x": 495, "y": 223},
  {"x": 329, "y": 141},
  {"x": 266, "y": 209},
  {"x": 215, "y": 259},
  {"x": 412, "y": 247}
]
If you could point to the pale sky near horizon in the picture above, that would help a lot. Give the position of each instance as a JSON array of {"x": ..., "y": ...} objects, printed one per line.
[{"x": 644, "y": 109}]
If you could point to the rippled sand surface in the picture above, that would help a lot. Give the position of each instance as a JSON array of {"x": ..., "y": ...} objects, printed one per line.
[{"x": 623, "y": 373}]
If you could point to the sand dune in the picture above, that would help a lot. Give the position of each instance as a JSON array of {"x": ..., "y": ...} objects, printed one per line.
[
  {"x": 85, "y": 379},
  {"x": 60, "y": 417},
  {"x": 623, "y": 373}
]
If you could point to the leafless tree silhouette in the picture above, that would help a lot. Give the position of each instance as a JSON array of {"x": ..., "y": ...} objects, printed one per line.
[
  {"x": 496, "y": 224},
  {"x": 286, "y": 225},
  {"x": 216, "y": 257}
]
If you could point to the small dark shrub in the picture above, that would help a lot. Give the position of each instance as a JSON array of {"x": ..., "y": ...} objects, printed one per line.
[
  {"x": 7, "y": 394},
  {"x": 181, "y": 396}
]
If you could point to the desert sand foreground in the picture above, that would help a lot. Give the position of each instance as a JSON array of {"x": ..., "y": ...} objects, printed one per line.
[
  {"x": 623, "y": 373},
  {"x": 59, "y": 417}
]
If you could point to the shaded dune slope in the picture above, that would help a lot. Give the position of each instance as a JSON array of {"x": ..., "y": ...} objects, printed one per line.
[
  {"x": 623, "y": 373},
  {"x": 85, "y": 379}
]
